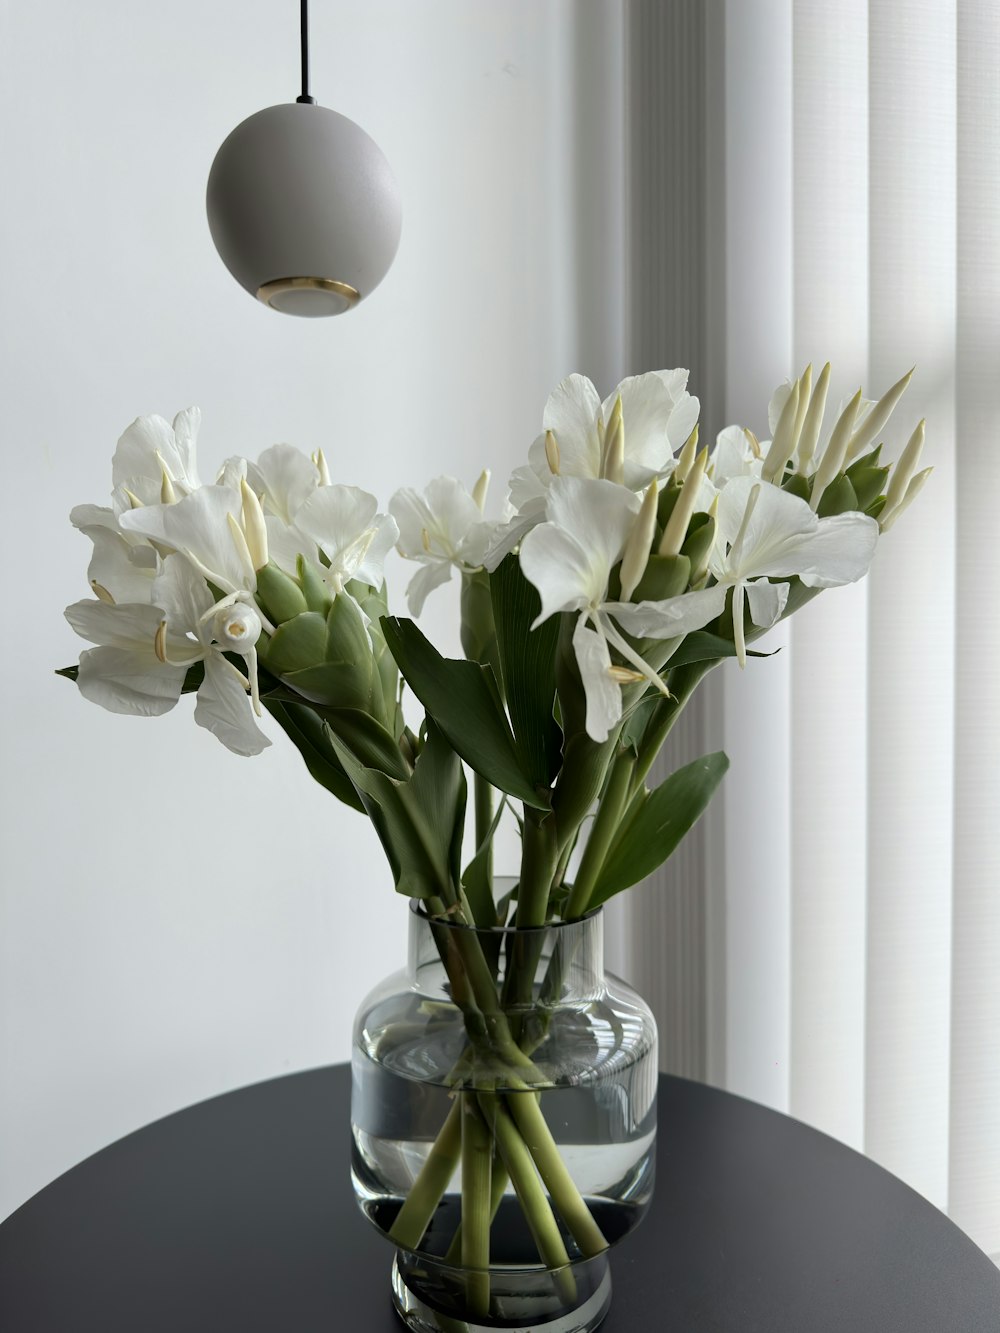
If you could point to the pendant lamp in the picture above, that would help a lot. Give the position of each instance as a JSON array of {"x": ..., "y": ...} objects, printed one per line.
[{"x": 303, "y": 206}]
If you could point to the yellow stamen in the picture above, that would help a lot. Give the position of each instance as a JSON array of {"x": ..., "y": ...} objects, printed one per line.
[
  {"x": 101, "y": 593},
  {"x": 552, "y": 452},
  {"x": 480, "y": 489},
  {"x": 160, "y": 641}
]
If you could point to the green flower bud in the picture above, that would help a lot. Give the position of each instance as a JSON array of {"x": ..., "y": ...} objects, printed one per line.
[
  {"x": 279, "y": 594},
  {"x": 664, "y": 576},
  {"x": 798, "y": 485},
  {"x": 314, "y": 590},
  {"x": 329, "y": 661},
  {"x": 698, "y": 544},
  {"x": 669, "y": 496},
  {"x": 869, "y": 483},
  {"x": 838, "y": 498}
]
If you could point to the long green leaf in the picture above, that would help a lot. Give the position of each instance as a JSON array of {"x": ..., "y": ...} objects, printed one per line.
[
  {"x": 463, "y": 700},
  {"x": 701, "y": 646},
  {"x": 528, "y": 665},
  {"x": 657, "y": 825},
  {"x": 476, "y": 879},
  {"x": 311, "y": 738},
  {"x": 419, "y": 821}
]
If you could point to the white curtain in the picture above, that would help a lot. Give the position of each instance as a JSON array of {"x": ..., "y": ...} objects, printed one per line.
[{"x": 847, "y": 958}]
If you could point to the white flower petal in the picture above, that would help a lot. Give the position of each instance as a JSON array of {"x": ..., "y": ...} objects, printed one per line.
[
  {"x": 123, "y": 680},
  {"x": 286, "y": 543},
  {"x": 129, "y": 626},
  {"x": 369, "y": 569},
  {"x": 598, "y": 514},
  {"x": 571, "y": 413},
  {"x": 839, "y": 551},
  {"x": 136, "y": 465},
  {"x": 733, "y": 456},
  {"x": 507, "y": 536},
  {"x": 125, "y": 571},
  {"x": 424, "y": 581},
  {"x": 766, "y": 601},
  {"x": 284, "y": 478},
  {"x": 197, "y": 527},
  {"x": 671, "y": 617},
  {"x": 224, "y": 709},
  {"x": 646, "y": 408},
  {"x": 184, "y": 597},
  {"x": 603, "y": 693},
  {"x": 564, "y": 573}
]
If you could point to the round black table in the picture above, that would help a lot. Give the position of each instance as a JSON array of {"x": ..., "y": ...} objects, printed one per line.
[{"x": 237, "y": 1214}]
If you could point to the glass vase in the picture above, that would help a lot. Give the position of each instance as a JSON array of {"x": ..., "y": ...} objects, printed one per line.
[{"x": 504, "y": 1123}]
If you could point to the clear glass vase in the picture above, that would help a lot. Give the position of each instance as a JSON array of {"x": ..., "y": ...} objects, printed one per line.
[{"x": 504, "y": 1122}]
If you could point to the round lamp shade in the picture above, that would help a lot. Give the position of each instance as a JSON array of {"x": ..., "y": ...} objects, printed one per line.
[{"x": 304, "y": 209}]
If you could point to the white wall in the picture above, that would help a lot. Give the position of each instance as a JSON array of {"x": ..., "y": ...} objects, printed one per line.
[{"x": 139, "y": 971}]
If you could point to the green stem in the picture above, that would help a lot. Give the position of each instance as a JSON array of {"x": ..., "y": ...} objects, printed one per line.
[
  {"x": 498, "y": 1187},
  {"x": 435, "y": 1175},
  {"x": 539, "y": 859},
  {"x": 683, "y": 686},
  {"x": 528, "y": 1188},
  {"x": 483, "y": 798},
  {"x": 609, "y": 813},
  {"x": 477, "y": 1155},
  {"x": 537, "y": 1137}
]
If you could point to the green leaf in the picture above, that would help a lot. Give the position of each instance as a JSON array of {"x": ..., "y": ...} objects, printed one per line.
[
  {"x": 420, "y": 820},
  {"x": 463, "y": 699},
  {"x": 476, "y": 878},
  {"x": 657, "y": 824},
  {"x": 528, "y": 665},
  {"x": 701, "y": 646},
  {"x": 311, "y": 737}
]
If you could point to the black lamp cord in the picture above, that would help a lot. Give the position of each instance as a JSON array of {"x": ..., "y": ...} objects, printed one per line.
[{"x": 304, "y": 23}]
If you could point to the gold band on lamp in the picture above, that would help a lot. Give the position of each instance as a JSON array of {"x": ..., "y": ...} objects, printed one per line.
[{"x": 280, "y": 286}]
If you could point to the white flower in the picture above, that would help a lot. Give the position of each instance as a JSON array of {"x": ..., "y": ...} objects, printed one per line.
[
  {"x": 145, "y": 651},
  {"x": 442, "y": 529},
  {"x": 123, "y": 566},
  {"x": 205, "y": 527},
  {"x": 155, "y": 461},
  {"x": 284, "y": 478},
  {"x": 344, "y": 523},
  {"x": 569, "y": 559},
  {"x": 764, "y": 532},
  {"x": 629, "y": 438}
]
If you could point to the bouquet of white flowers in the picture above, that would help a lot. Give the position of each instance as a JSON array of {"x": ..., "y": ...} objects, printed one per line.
[{"x": 629, "y": 562}]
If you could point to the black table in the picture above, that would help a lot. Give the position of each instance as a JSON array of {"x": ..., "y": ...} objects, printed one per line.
[{"x": 238, "y": 1215}]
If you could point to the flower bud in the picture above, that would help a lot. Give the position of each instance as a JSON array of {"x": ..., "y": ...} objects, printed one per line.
[
  {"x": 877, "y": 418},
  {"x": 613, "y": 461},
  {"x": 236, "y": 628},
  {"x": 254, "y": 527},
  {"x": 664, "y": 576},
  {"x": 783, "y": 444},
  {"x": 813, "y": 423},
  {"x": 313, "y": 585},
  {"x": 888, "y": 517},
  {"x": 905, "y": 467},
  {"x": 838, "y": 498},
  {"x": 677, "y": 526},
  {"x": 640, "y": 540},
  {"x": 700, "y": 540},
  {"x": 832, "y": 462},
  {"x": 687, "y": 455},
  {"x": 279, "y": 594}
]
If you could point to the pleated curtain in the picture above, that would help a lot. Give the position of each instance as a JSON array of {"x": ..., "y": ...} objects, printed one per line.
[{"x": 809, "y": 181}]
